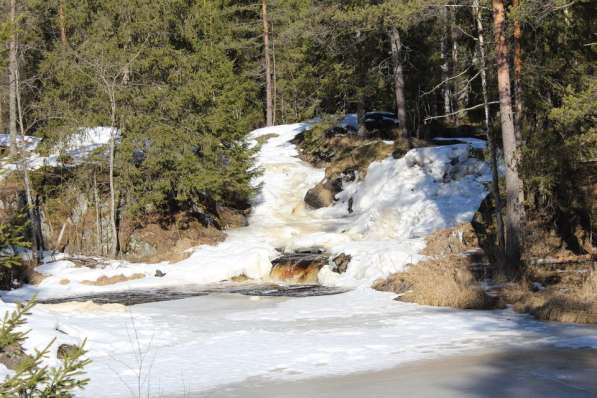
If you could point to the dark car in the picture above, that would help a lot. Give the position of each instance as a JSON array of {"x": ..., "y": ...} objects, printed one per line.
[{"x": 380, "y": 121}]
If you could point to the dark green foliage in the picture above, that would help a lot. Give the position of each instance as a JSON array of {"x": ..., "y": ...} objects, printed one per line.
[{"x": 12, "y": 238}]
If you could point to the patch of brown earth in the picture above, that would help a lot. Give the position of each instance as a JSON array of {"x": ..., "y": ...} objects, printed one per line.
[{"x": 111, "y": 280}]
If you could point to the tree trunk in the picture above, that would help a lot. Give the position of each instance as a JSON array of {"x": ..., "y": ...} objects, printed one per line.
[
  {"x": 62, "y": 24},
  {"x": 458, "y": 92},
  {"x": 36, "y": 238},
  {"x": 514, "y": 188},
  {"x": 445, "y": 67},
  {"x": 275, "y": 80},
  {"x": 517, "y": 75},
  {"x": 398, "y": 80},
  {"x": 114, "y": 243},
  {"x": 269, "y": 107},
  {"x": 490, "y": 135},
  {"x": 98, "y": 225},
  {"x": 12, "y": 81}
]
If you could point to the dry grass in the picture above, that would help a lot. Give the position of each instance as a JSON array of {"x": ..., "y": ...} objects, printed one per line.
[
  {"x": 449, "y": 241},
  {"x": 265, "y": 138},
  {"x": 445, "y": 282},
  {"x": 111, "y": 280},
  {"x": 565, "y": 301}
]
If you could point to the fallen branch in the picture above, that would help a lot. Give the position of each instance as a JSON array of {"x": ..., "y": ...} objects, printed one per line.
[{"x": 460, "y": 111}]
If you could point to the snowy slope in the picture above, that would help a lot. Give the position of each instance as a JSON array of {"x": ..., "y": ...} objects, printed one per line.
[{"x": 395, "y": 207}]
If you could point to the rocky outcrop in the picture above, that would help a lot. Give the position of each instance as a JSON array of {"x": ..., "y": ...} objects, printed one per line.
[{"x": 154, "y": 243}]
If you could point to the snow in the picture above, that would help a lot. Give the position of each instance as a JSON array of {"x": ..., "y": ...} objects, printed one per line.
[
  {"x": 170, "y": 348},
  {"x": 476, "y": 143},
  {"x": 396, "y": 205},
  {"x": 27, "y": 142},
  {"x": 200, "y": 343},
  {"x": 76, "y": 148}
]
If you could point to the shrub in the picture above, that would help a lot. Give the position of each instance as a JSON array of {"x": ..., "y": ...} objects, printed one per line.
[{"x": 31, "y": 378}]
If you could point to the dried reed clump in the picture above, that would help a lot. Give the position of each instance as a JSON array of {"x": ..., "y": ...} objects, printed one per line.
[{"x": 445, "y": 282}]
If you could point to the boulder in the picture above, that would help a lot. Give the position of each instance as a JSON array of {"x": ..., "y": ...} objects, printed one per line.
[
  {"x": 324, "y": 193},
  {"x": 297, "y": 268},
  {"x": 340, "y": 263},
  {"x": 64, "y": 350}
]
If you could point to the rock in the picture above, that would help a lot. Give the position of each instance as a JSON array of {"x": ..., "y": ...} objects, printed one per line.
[
  {"x": 230, "y": 218},
  {"x": 323, "y": 194},
  {"x": 340, "y": 263},
  {"x": 159, "y": 274},
  {"x": 298, "y": 268},
  {"x": 65, "y": 350},
  {"x": 11, "y": 356}
]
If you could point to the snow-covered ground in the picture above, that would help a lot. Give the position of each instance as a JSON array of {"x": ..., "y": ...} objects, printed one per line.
[
  {"x": 196, "y": 344},
  {"x": 394, "y": 207},
  {"x": 76, "y": 148}
]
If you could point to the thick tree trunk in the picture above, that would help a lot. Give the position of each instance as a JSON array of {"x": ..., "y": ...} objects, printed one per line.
[
  {"x": 514, "y": 188},
  {"x": 12, "y": 80},
  {"x": 269, "y": 107},
  {"x": 490, "y": 136},
  {"x": 445, "y": 67},
  {"x": 399, "y": 81},
  {"x": 62, "y": 24},
  {"x": 517, "y": 75}
]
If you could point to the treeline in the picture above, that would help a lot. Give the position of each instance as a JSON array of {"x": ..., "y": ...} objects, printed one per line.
[{"x": 183, "y": 82}]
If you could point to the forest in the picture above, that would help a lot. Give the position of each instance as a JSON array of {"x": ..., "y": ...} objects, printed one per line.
[{"x": 126, "y": 124}]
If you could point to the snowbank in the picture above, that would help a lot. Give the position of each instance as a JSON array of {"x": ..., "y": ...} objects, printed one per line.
[{"x": 78, "y": 147}]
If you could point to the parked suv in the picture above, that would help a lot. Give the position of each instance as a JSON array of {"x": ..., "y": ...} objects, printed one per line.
[{"x": 380, "y": 121}]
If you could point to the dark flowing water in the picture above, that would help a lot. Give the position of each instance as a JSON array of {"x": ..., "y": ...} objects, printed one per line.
[{"x": 142, "y": 296}]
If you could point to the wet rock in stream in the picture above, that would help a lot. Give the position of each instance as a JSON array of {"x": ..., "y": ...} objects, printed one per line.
[{"x": 298, "y": 268}]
